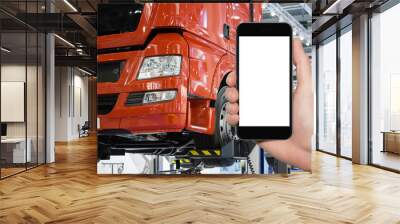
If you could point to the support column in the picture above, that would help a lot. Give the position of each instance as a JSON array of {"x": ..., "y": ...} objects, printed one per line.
[
  {"x": 50, "y": 92},
  {"x": 360, "y": 90}
]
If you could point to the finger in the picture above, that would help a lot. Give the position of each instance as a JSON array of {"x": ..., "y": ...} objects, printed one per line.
[
  {"x": 232, "y": 108},
  {"x": 231, "y": 79},
  {"x": 232, "y": 95},
  {"x": 302, "y": 63},
  {"x": 233, "y": 119}
]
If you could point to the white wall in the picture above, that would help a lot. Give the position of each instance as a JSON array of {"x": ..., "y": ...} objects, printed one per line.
[
  {"x": 15, "y": 73},
  {"x": 80, "y": 102},
  {"x": 12, "y": 73},
  {"x": 62, "y": 83},
  {"x": 33, "y": 126},
  {"x": 13, "y": 101},
  {"x": 71, "y": 94}
]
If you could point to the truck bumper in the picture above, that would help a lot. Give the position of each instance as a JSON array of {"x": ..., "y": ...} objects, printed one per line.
[{"x": 165, "y": 116}]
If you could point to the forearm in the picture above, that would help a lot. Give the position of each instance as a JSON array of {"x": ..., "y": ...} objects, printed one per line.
[{"x": 288, "y": 152}]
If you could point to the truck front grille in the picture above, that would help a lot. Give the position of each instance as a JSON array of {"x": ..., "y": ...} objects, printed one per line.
[
  {"x": 134, "y": 99},
  {"x": 106, "y": 103},
  {"x": 109, "y": 71}
]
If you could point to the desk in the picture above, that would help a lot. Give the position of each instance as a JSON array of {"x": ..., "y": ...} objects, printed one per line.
[
  {"x": 391, "y": 142},
  {"x": 16, "y": 147}
]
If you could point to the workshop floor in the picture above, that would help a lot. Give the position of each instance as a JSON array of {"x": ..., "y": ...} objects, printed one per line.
[{"x": 70, "y": 191}]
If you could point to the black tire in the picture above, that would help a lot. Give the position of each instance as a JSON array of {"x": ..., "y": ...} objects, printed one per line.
[
  {"x": 103, "y": 151},
  {"x": 220, "y": 136}
]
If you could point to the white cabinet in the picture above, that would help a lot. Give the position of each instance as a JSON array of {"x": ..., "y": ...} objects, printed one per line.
[{"x": 19, "y": 155}]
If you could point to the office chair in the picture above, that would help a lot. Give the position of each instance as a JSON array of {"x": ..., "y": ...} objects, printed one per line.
[{"x": 84, "y": 130}]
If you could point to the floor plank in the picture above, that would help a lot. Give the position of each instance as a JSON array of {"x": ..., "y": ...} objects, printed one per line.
[
  {"x": 70, "y": 191},
  {"x": 387, "y": 159}
]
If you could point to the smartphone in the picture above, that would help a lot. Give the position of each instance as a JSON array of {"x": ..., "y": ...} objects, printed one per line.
[{"x": 264, "y": 80}]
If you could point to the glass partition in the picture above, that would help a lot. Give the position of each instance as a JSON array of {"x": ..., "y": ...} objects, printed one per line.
[
  {"x": 327, "y": 96},
  {"x": 22, "y": 90},
  {"x": 14, "y": 153}
]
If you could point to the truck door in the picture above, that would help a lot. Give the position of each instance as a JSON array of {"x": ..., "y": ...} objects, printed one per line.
[{"x": 236, "y": 14}]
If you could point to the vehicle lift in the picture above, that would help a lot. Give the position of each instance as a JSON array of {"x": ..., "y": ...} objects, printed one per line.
[{"x": 188, "y": 156}]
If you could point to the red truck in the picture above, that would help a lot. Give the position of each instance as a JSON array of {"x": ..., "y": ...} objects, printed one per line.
[{"x": 161, "y": 74}]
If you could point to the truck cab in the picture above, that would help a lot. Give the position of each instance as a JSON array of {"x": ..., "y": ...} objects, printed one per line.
[{"x": 161, "y": 73}]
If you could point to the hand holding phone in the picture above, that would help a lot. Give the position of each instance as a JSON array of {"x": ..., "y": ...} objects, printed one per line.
[
  {"x": 297, "y": 149},
  {"x": 264, "y": 70}
]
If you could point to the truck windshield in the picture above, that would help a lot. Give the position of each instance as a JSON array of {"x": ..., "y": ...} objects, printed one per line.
[{"x": 114, "y": 19}]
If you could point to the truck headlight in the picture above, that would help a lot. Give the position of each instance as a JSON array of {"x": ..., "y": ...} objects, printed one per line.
[
  {"x": 157, "y": 96},
  {"x": 160, "y": 66}
]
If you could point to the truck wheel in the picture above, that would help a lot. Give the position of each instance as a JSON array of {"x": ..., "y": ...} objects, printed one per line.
[
  {"x": 223, "y": 131},
  {"x": 103, "y": 151}
]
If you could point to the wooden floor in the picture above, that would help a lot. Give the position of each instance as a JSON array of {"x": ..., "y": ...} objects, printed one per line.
[
  {"x": 387, "y": 159},
  {"x": 70, "y": 191},
  {"x": 5, "y": 172}
]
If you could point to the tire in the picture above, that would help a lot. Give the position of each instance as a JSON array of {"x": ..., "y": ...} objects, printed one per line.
[
  {"x": 103, "y": 151},
  {"x": 223, "y": 131}
]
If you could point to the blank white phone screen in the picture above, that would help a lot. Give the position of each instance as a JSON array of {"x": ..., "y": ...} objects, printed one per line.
[{"x": 264, "y": 75}]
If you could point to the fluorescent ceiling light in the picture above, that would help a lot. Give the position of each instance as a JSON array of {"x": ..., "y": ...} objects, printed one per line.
[
  {"x": 70, "y": 5},
  {"x": 84, "y": 71},
  {"x": 5, "y": 50},
  {"x": 331, "y": 7},
  {"x": 338, "y": 6},
  {"x": 64, "y": 40}
]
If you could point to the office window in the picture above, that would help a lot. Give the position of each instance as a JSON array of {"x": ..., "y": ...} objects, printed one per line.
[
  {"x": 327, "y": 96},
  {"x": 385, "y": 89},
  {"x": 346, "y": 93}
]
